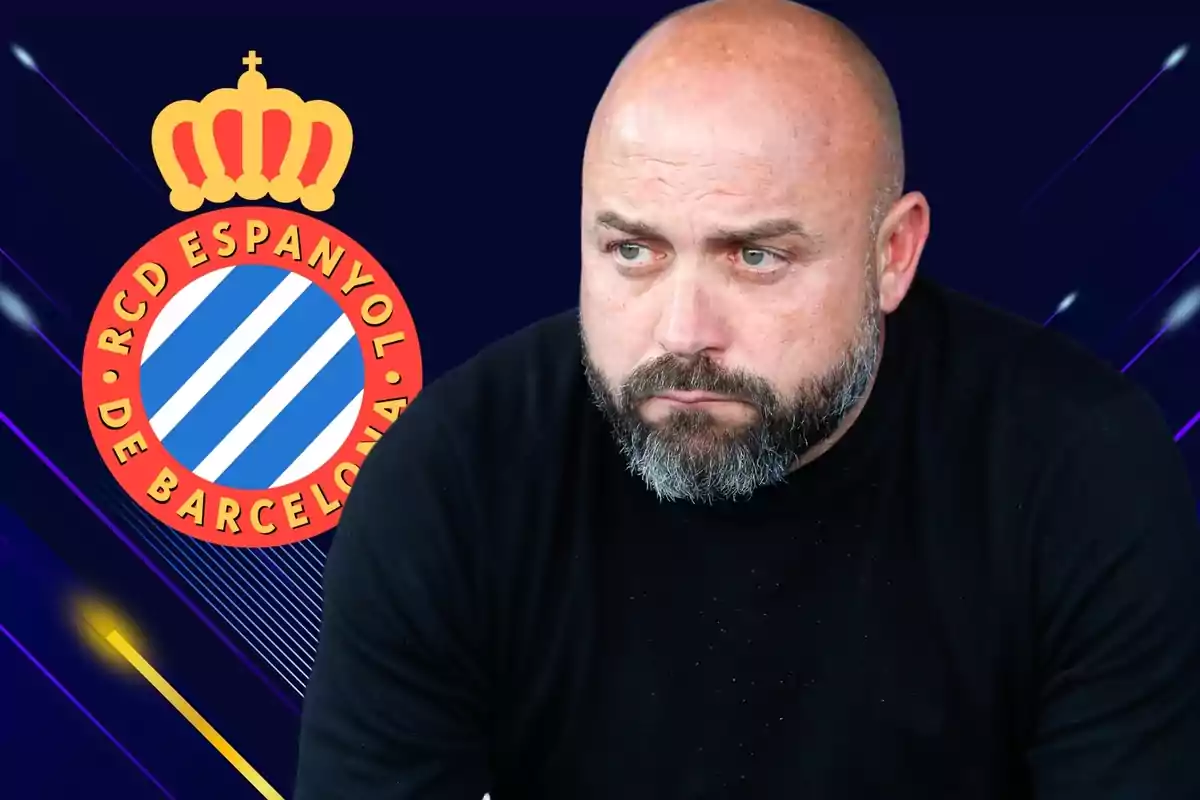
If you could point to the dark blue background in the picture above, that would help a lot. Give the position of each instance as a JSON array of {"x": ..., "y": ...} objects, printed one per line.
[{"x": 464, "y": 183}]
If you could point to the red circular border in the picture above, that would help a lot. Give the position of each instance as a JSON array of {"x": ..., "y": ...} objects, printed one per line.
[{"x": 141, "y": 470}]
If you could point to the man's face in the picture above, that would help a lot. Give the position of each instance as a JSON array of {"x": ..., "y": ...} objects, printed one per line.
[{"x": 729, "y": 305}]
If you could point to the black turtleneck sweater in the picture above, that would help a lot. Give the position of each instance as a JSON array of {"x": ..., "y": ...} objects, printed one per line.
[{"x": 989, "y": 589}]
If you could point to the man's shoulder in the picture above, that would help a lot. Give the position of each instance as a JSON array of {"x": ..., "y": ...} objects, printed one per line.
[
  {"x": 1015, "y": 365},
  {"x": 512, "y": 391},
  {"x": 522, "y": 373}
]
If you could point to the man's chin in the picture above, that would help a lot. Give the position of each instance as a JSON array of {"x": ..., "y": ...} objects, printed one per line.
[{"x": 696, "y": 441}]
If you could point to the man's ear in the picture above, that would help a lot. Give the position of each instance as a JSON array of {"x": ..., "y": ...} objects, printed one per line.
[{"x": 900, "y": 242}]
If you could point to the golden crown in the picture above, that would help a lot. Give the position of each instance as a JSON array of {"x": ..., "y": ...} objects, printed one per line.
[{"x": 252, "y": 141}]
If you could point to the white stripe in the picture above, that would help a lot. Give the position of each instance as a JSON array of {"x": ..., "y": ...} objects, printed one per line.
[
  {"x": 224, "y": 357},
  {"x": 276, "y": 399},
  {"x": 180, "y": 308},
  {"x": 320, "y": 449}
]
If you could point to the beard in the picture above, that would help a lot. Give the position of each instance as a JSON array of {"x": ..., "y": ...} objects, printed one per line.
[{"x": 692, "y": 457}]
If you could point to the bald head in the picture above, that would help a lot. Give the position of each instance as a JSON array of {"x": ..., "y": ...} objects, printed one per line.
[
  {"x": 743, "y": 234},
  {"x": 785, "y": 55}
]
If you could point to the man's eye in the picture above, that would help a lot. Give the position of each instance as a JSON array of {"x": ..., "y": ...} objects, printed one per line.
[
  {"x": 761, "y": 260},
  {"x": 630, "y": 254}
]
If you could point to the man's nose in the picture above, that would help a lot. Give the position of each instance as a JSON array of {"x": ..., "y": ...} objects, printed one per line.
[{"x": 691, "y": 322}]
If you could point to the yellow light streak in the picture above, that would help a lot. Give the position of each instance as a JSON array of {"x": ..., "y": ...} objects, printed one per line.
[{"x": 135, "y": 659}]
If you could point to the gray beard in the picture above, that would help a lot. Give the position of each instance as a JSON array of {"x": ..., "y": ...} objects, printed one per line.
[{"x": 689, "y": 458}]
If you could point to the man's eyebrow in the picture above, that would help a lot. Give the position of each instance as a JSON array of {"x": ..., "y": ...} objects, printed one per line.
[
  {"x": 611, "y": 219},
  {"x": 767, "y": 229}
]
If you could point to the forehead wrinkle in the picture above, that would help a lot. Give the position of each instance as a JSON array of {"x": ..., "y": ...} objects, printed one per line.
[{"x": 763, "y": 179}]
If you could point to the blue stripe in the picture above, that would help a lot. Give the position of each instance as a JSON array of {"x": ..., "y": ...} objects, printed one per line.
[
  {"x": 305, "y": 417},
  {"x": 209, "y": 324},
  {"x": 252, "y": 376}
]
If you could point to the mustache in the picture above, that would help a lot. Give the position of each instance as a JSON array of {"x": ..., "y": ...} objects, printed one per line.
[{"x": 671, "y": 373}]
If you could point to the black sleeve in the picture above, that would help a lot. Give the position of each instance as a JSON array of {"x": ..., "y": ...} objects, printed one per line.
[
  {"x": 1118, "y": 601},
  {"x": 395, "y": 705}
]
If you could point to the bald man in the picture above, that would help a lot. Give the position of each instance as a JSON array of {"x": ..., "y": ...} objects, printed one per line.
[{"x": 768, "y": 516}]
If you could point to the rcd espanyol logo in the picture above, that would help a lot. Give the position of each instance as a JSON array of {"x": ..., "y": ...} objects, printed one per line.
[{"x": 243, "y": 362}]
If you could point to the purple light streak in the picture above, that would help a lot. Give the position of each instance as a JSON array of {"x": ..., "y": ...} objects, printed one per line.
[
  {"x": 83, "y": 710},
  {"x": 1058, "y": 174},
  {"x": 1163, "y": 285},
  {"x": 29, "y": 278},
  {"x": 93, "y": 126},
  {"x": 1187, "y": 427},
  {"x": 61, "y": 355},
  {"x": 1147, "y": 302},
  {"x": 57, "y": 352},
  {"x": 1145, "y": 347},
  {"x": 162, "y": 576}
]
